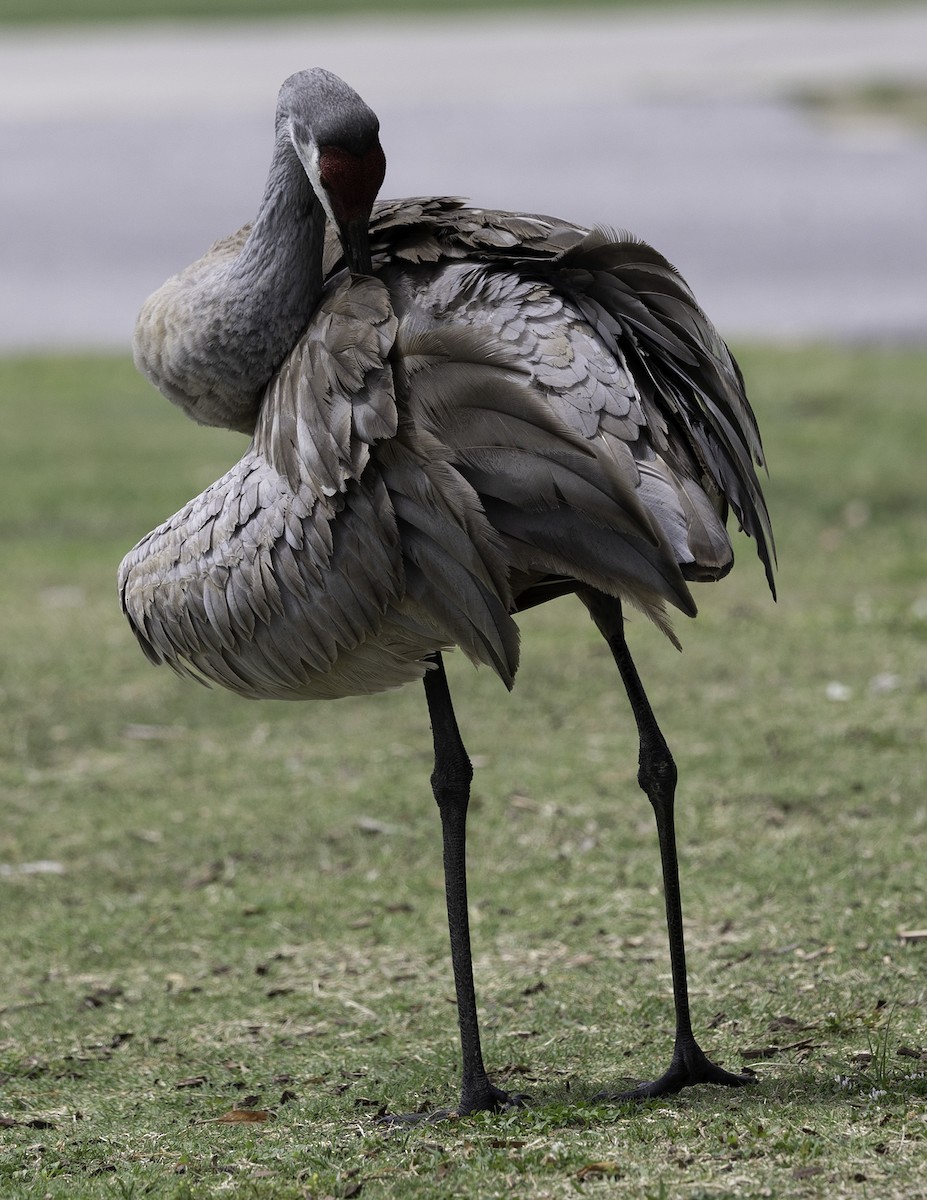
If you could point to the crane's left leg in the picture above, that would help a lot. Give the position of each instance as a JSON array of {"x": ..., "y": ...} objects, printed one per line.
[
  {"x": 450, "y": 783},
  {"x": 657, "y": 777}
]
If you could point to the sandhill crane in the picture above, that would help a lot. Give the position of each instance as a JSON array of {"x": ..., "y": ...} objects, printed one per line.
[{"x": 484, "y": 411}]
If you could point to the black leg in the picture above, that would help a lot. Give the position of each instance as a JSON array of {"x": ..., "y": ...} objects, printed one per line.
[
  {"x": 450, "y": 782},
  {"x": 657, "y": 778}
]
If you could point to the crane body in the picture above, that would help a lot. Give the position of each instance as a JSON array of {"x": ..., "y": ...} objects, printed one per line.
[{"x": 455, "y": 414}]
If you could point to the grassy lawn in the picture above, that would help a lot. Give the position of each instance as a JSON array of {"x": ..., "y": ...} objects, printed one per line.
[
  {"x": 38, "y": 11},
  {"x": 210, "y": 907},
  {"x": 877, "y": 103}
]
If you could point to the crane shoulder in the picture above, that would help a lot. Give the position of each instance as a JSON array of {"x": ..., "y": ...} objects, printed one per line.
[{"x": 423, "y": 229}]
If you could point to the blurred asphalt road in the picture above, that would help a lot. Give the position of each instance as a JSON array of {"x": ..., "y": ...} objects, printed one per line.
[{"x": 126, "y": 150}]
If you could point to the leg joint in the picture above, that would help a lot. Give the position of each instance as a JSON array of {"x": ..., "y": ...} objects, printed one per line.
[
  {"x": 450, "y": 781},
  {"x": 657, "y": 773}
]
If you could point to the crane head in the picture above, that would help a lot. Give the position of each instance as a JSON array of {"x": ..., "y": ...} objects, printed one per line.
[{"x": 336, "y": 137}]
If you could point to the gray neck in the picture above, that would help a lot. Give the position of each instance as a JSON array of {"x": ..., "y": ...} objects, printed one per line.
[
  {"x": 212, "y": 337},
  {"x": 275, "y": 282}
]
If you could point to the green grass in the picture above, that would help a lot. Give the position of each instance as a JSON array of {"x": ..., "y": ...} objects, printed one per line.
[
  {"x": 880, "y": 103},
  {"x": 247, "y": 908},
  {"x": 41, "y": 11}
]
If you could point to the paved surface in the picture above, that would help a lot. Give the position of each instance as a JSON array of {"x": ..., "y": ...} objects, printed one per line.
[{"x": 126, "y": 150}]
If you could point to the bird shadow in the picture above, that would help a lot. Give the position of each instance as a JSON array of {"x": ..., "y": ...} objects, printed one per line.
[{"x": 581, "y": 1104}]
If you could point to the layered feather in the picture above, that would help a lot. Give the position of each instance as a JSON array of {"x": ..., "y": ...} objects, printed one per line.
[{"x": 515, "y": 407}]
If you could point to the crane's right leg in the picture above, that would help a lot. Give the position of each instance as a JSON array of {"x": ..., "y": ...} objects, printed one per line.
[
  {"x": 657, "y": 778},
  {"x": 450, "y": 782}
]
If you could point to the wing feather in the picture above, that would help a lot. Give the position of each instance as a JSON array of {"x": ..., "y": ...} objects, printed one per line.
[{"x": 679, "y": 358}]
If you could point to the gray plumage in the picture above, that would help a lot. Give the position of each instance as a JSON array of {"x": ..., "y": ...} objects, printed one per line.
[
  {"x": 487, "y": 410},
  {"x": 510, "y": 403}
]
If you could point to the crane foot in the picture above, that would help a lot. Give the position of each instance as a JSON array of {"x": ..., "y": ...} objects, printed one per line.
[
  {"x": 689, "y": 1066},
  {"x": 488, "y": 1099}
]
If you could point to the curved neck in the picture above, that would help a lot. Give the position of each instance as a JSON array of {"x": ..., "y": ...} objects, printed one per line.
[
  {"x": 277, "y": 276},
  {"x": 212, "y": 337}
]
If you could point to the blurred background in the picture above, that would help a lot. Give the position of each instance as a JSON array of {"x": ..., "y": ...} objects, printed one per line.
[{"x": 776, "y": 154}]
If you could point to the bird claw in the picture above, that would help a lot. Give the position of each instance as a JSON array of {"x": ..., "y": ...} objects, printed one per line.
[
  {"x": 396, "y": 1121},
  {"x": 487, "y": 1099},
  {"x": 689, "y": 1066}
]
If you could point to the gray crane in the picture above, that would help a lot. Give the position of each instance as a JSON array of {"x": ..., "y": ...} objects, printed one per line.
[{"x": 455, "y": 414}]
